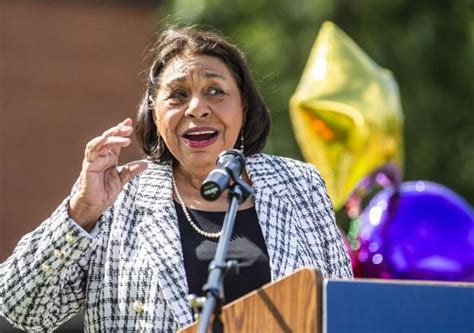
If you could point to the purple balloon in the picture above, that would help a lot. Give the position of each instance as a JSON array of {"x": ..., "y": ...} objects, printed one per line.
[{"x": 418, "y": 230}]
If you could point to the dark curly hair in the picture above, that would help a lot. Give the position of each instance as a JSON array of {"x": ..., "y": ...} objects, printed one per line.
[{"x": 174, "y": 42}]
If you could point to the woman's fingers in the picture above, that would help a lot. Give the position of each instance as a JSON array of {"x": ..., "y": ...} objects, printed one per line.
[
  {"x": 129, "y": 170},
  {"x": 103, "y": 162},
  {"x": 112, "y": 139},
  {"x": 101, "y": 145},
  {"x": 114, "y": 145},
  {"x": 122, "y": 129},
  {"x": 100, "y": 180}
]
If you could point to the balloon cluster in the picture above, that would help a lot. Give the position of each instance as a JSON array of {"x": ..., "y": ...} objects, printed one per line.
[{"x": 348, "y": 122}]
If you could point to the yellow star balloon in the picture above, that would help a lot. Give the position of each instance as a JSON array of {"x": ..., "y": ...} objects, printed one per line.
[{"x": 346, "y": 113}]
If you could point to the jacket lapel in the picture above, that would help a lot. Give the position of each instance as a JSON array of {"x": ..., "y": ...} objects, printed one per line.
[
  {"x": 159, "y": 233},
  {"x": 275, "y": 211}
]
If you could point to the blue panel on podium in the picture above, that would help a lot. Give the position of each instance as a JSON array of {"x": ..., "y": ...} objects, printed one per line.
[{"x": 397, "y": 306}]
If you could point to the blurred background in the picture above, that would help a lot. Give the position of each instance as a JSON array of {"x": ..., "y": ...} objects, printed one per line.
[{"x": 70, "y": 70}]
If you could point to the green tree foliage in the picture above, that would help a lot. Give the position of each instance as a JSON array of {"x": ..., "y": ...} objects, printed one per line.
[{"x": 428, "y": 45}]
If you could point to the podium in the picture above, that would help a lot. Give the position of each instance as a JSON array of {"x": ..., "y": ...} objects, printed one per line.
[{"x": 305, "y": 302}]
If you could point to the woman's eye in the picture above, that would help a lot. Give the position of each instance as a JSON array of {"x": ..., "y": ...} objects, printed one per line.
[
  {"x": 215, "y": 91},
  {"x": 178, "y": 95}
]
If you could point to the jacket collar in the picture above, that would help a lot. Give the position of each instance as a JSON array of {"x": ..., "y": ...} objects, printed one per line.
[{"x": 155, "y": 183}]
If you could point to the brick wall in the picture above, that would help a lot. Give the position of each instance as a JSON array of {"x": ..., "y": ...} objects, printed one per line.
[{"x": 68, "y": 70}]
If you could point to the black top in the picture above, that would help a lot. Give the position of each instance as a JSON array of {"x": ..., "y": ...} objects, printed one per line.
[{"x": 247, "y": 246}]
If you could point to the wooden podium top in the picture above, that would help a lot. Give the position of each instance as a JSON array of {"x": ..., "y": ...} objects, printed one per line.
[
  {"x": 290, "y": 304},
  {"x": 304, "y": 302}
]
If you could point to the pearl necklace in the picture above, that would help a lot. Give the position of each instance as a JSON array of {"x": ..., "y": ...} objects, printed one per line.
[{"x": 188, "y": 217}]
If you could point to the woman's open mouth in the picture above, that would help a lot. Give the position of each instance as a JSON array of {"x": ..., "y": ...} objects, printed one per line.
[{"x": 200, "y": 137}]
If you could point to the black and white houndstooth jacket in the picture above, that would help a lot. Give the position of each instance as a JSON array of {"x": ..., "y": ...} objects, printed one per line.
[{"x": 130, "y": 277}]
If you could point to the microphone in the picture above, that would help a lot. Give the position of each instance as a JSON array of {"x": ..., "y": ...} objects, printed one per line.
[{"x": 230, "y": 165}]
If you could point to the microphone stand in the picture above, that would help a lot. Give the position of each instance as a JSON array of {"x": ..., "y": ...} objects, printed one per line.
[{"x": 220, "y": 266}]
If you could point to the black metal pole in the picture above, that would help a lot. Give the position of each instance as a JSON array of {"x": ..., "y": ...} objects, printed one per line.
[{"x": 218, "y": 267}]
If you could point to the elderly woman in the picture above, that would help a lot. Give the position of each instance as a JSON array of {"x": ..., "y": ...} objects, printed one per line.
[{"x": 131, "y": 242}]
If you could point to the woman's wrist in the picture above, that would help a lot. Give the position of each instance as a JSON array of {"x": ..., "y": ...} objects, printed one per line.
[{"x": 83, "y": 214}]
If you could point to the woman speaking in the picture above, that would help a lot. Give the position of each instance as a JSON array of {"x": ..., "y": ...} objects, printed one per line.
[{"x": 131, "y": 242}]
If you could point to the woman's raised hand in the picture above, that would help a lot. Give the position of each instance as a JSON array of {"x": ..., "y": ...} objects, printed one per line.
[{"x": 101, "y": 180}]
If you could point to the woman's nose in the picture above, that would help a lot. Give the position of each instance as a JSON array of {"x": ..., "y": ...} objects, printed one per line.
[{"x": 197, "y": 108}]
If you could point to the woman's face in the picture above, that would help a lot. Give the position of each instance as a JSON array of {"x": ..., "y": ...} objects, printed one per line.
[{"x": 198, "y": 110}]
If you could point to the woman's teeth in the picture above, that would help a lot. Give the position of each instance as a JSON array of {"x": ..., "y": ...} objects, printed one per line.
[{"x": 200, "y": 135}]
